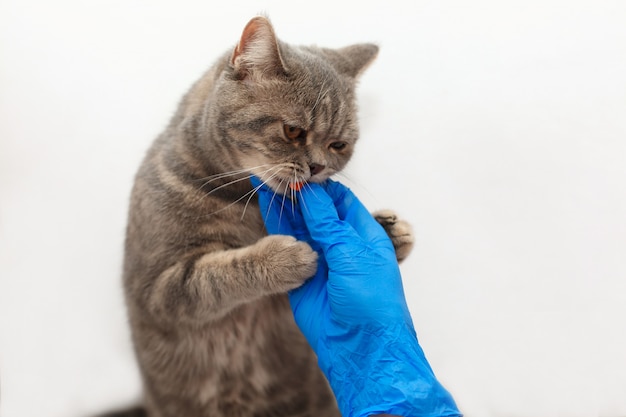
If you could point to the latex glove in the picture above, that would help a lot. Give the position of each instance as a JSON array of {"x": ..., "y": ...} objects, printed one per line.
[{"x": 353, "y": 311}]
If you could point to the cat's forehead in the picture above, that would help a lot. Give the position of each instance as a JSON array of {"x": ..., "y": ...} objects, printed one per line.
[
  {"x": 320, "y": 106},
  {"x": 314, "y": 84}
]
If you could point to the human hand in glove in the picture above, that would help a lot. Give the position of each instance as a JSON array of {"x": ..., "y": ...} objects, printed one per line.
[{"x": 353, "y": 311}]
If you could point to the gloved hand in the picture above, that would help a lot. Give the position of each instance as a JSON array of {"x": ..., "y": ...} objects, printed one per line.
[{"x": 353, "y": 311}]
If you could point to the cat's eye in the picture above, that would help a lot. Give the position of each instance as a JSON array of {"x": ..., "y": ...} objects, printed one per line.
[
  {"x": 338, "y": 146},
  {"x": 294, "y": 132}
]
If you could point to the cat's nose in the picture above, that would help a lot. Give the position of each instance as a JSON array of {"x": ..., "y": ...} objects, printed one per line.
[{"x": 316, "y": 168}]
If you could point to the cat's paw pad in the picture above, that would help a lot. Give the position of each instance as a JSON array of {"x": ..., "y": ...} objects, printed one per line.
[
  {"x": 287, "y": 262},
  {"x": 399, "y": 231}
]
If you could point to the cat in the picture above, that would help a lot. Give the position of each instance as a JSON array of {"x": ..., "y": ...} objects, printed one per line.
[{"x": 205, "y": 286}]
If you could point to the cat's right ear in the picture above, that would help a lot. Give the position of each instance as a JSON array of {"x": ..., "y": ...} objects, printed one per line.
[{"x": 257, "y": 54}]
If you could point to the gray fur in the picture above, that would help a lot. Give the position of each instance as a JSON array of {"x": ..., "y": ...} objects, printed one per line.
[{"x": 205, "y": 286}]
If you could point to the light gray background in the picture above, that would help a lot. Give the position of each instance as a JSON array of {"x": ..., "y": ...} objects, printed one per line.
[{"x": 498, "y": 128}]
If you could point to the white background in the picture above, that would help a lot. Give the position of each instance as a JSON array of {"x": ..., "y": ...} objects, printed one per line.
[{"x": 498, "y": 128}]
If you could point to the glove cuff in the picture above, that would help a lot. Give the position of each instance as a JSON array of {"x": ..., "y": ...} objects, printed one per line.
[{"x": 382, "y": 370}]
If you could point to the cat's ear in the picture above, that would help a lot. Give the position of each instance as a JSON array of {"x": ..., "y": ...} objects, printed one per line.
[
  {"x": 257, "y": 52},
  {"x": 354, "y": 59}
]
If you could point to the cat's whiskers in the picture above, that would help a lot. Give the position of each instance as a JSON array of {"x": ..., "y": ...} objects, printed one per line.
[
  {"x": 251, "y": 193},
  {"x": 273, "y": 171},
  {"x": 247, "y": 194},
  {"x": 247, "y": 171},
  {"x": 284, "y": 184},
  {"x": 222, "y": 175},
  {"x": 267, "y": 213},
  {"x": 282, "y": 204}
]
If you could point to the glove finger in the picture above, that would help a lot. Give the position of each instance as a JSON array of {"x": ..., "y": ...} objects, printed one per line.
[
  {"x": 351, "y": 209},
  {"x": 309, "y": 303},
  {"x": 323, "y": 222}
]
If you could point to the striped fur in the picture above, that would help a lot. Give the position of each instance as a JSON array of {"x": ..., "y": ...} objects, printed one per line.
[{"x": 205, "y": 287}]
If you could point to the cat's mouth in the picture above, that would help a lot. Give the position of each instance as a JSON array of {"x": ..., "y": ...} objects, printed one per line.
[
  {"x": 285, "y": 179},
  {"x": 287, "y": 186}
]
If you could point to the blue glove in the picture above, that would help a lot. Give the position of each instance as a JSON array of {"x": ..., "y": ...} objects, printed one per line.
[{"x": 353, "y": 311}]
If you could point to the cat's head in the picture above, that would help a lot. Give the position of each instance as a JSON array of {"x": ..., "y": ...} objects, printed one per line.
[{"x": 288, "y": 114}]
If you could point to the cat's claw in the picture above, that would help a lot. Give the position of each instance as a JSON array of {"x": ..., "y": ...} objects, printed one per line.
[{"x": 399, "y": 231}]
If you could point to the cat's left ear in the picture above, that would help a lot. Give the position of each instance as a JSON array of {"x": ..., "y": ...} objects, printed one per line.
[{"x": 257, "y": 52}]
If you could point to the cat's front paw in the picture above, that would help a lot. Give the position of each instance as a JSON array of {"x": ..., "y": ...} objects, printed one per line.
[
  {"x": 286, "y": 262},
  {"x": 399, "y": 231}
]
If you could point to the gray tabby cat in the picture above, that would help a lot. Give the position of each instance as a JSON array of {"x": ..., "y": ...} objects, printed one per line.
[{"x": 205, "y": 286}]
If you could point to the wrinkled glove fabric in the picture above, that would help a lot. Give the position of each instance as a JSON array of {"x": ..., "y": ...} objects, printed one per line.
[{"x": 353, "y": 311}]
